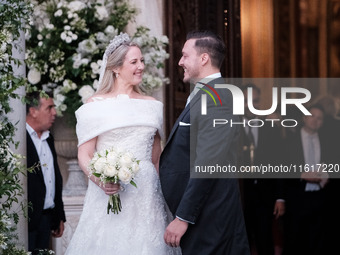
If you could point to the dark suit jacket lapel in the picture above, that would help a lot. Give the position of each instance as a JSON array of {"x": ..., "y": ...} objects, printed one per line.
[
  {"x": 299, "y": 148},
  {"x": 193, "y": 101},
  {"x": 50, "y": 142},
  {"x": 184, "y": 112},
  {"x": 186, "y": 109},
  {"x": 51, "y": 145},
  {"x": 323, "y": 150},
  {"x": 33, "y": 155}
]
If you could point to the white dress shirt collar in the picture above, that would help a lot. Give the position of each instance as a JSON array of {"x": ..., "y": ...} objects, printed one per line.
[
  {"x": 32, "y": 132},
  {"x": 214, "y": 75},
  {"x": 199, "y": 85}
]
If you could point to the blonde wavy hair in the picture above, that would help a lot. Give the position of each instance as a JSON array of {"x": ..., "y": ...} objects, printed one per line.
[{"x": 115, "y": 60}]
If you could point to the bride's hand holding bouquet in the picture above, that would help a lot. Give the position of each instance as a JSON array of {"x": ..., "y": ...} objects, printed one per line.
[
  {"x": 114, "y": 167},
  {"x": 110, "y": 188}
]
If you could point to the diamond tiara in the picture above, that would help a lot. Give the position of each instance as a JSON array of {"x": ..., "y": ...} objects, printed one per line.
[{"x": 116, "y": 42}]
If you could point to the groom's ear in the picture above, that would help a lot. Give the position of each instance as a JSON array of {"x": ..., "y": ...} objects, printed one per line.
[{"x": 204, "y": 58}]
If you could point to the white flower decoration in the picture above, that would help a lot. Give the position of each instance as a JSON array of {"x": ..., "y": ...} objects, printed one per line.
[
  {"x": 86, "y": 47},
  {"x": 95, "y": 84},
  {"x": 112, "y": 157},
  {"x": 101, "y": 13},
  {"x": 33, "y": 76},
  {"x": 100, "y": 165},
  {"x": 135, "y": 167},
  {"x": 75, "y": 6},
  {"x": 125, "y": 175},
  {"x": 86, "y": 92},
  {"x": 58, "y": 13},
  {"x": 111, "y": 31},
  {"x": 95, "y": 67},
  {"x": 110, "y": 170},
  {"x": 126, "y": 160}
]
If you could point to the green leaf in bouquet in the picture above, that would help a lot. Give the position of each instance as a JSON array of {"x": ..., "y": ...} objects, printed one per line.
[
  {"x": 133, "y": 183},
  {"x": 96, "y": 174}
]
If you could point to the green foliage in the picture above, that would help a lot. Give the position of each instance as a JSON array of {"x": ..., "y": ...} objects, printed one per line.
[
  {"x": 123, "y": 12},
  {"x": 14, "y": 14}
]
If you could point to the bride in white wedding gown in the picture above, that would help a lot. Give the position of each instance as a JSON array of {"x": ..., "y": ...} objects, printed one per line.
[{"x": 118, "y": 116}]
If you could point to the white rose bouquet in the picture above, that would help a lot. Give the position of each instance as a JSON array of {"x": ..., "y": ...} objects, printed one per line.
[{"x": 113, "y": 165}]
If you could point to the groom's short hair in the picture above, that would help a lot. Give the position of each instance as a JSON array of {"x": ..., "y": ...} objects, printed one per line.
[{"x": 210, "y": 43}]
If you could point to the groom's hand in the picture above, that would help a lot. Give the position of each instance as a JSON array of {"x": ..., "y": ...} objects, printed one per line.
[{"x": 174, "y": 232}]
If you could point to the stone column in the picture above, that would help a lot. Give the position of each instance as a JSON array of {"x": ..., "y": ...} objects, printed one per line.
[
  {"x": 19, "y": 115},
  {"x": 150, "y": 14}
]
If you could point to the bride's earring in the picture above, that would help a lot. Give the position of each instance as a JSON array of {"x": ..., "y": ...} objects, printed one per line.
[{"x": 117, "y": 75}]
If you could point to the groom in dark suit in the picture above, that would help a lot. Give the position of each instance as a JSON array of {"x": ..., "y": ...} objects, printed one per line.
[
  {"x": 208, "y": 212},
  {"x": 46, "y": 214}
]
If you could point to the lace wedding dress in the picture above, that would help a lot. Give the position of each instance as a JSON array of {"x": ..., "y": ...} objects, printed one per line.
[{"x": 129, "y": 124}]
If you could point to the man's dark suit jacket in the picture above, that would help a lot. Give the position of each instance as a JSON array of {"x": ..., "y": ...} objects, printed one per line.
[
  {"x": 37, "y": 189},
  {"x": 294, "y": 155},
  {"x": 213, "y": 205},
  {"x": 301, "y": 203}
]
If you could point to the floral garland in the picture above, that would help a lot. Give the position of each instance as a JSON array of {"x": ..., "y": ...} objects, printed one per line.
[
  {"x": 67, "y": 42},
  {"x": 14, "y": 15}
]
